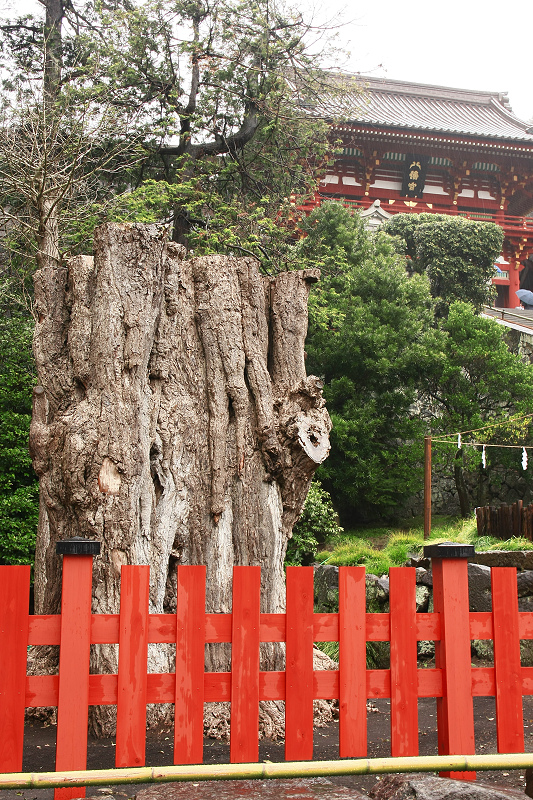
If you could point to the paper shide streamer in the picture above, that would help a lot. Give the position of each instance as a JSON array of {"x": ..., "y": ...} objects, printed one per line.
[{"x": 524, "y": 458}]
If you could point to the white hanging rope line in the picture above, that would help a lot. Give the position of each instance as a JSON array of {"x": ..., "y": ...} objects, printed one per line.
[
  {"x": 483, "y": 444},
  {"x": 524, "y": 448}
]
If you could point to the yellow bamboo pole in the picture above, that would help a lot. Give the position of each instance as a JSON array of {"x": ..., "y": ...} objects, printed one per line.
[{"x": 265, "y": 770}]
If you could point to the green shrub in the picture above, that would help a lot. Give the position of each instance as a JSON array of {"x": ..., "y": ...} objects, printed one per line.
[
  {"x": 19, "y": 514},
  {"x": 317, "y": 523}
]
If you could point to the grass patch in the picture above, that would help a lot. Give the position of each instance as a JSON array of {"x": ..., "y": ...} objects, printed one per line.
[
  {"x": 378, "y": 549},
  {"x": 351, "y": 553},
  {"x": 514, "y": 543}
]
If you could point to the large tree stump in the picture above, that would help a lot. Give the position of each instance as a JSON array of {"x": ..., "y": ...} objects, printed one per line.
[{"x": 173, "y": 420}]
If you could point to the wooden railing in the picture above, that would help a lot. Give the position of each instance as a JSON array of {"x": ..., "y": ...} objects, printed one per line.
[
  {"x": 510, "y": 224},
  {"x": 452, "y": 681}
]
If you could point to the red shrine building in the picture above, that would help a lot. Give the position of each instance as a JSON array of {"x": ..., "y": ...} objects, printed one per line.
[{"x": 411, "y": 148}]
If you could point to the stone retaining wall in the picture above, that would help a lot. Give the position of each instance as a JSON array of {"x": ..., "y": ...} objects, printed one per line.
[
  {"x": 377, "y": 598},
  {"x": 502, "y": 486}
]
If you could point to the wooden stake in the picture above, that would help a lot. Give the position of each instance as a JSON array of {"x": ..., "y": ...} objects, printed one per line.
[{"x": 427, "y": 487}]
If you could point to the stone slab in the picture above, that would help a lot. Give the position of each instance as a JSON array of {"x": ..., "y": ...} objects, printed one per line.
[
  {"x": 293, "y": 789},
  {"x": 403, "y": 787}
]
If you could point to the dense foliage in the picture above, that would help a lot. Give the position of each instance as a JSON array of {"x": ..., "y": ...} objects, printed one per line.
[
  {"x": 370, "y": 337},
  {"x": 19, "y": 492},
  {"x": 457, "y": 254},
  {"x": 317, "y": 523},
  {"x": 475, "y": 383},
  {"x": 396, "y": 367}
]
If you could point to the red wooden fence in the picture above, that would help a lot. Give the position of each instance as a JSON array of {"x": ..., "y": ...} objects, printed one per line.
[{"x": 453, "y": 681}]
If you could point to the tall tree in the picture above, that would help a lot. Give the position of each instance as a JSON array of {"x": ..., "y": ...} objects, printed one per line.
[
  {"x": 369, "y": 338},
  {"x": 216, "y": 93},
  {"x": 221, "y": 91},
  {"x": 226, "y": 86},
  {"x": 473, "y": 381},
  {"x": 173, "y": 418},
  {"x": 457, "y": 254}
]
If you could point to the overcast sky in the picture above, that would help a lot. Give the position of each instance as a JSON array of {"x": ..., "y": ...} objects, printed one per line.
[
  {"x": 466, "y": 44},
  {"x": 469, "y": 44}
]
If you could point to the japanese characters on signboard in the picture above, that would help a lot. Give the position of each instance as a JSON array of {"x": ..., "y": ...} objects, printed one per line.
[{"x": 414, "y": 177}]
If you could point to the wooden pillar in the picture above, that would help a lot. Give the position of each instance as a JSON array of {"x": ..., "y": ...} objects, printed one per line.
[
  {"x": 514, "y": 278},
  {"x": 427, "y": 487}
]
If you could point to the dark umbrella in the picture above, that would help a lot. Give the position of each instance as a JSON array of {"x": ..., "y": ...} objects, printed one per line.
[{"x": 526, "y": 297}]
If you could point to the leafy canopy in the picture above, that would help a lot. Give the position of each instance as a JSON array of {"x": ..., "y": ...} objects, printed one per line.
[
  {"x": 457, "y": 254},
  {"x": 19, "y": 492},
  {"x": 126, "y": 102},
  {"x": 370, "y": 333}
]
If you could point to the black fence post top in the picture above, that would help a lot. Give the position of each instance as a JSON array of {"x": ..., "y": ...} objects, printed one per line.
[
  {"x": 78, "y": 546},
  {"x": 449, "y": 550}
]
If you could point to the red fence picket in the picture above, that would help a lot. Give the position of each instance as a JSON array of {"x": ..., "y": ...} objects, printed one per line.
[
  {"x": 352, "y": 662},
  {"x": 455, "y": 706},
  {"x": 507, "y": 668},
  {"x": 190, "y": 679},
  {"x": 453, "y": 681},
  {"x": 244, "y": 739},
  {"x": 403, "y": 663},
  {"x": 132, "y": 667},
  {"x": 73, "y": 687},
  {"x": 299, "y": 689},
  {"x": 14, "y": 603}
]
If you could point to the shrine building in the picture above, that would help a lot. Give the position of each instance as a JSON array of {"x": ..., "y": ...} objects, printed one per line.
[{"x": 431, "y": 149}]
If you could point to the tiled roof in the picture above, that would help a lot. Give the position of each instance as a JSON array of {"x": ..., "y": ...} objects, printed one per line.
[{"x": 397, "y": 104}]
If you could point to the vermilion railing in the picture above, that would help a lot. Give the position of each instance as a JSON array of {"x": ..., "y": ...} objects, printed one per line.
[
  {"x": 510, "y": 224},
  {"x": 452, "y": 681}
]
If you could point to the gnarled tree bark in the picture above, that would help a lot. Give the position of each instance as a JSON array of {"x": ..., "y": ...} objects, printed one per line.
[{"x": 173, "y": 421}]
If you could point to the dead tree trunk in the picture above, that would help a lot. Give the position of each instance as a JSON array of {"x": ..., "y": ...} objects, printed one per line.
[{"x": 173, "y": 420}]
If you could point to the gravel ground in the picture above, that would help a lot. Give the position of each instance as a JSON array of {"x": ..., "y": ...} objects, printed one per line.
[{"x": 39, "y": 749}]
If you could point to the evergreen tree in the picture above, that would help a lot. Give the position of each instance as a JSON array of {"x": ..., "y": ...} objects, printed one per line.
[
  {"x": 473, "y": 381},
  {"x": 19, "y": 489},
  {"x": 370, "y": 336},
  {"x": 457, "y": 254}
]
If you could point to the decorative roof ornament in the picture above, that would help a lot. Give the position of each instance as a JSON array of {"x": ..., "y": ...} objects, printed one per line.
[{"x": 374, "y": 216}]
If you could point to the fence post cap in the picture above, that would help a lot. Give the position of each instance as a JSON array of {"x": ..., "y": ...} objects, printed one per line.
[
  {"x": 449, "y": 550},
  {"x": 78, "y": 546}
]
